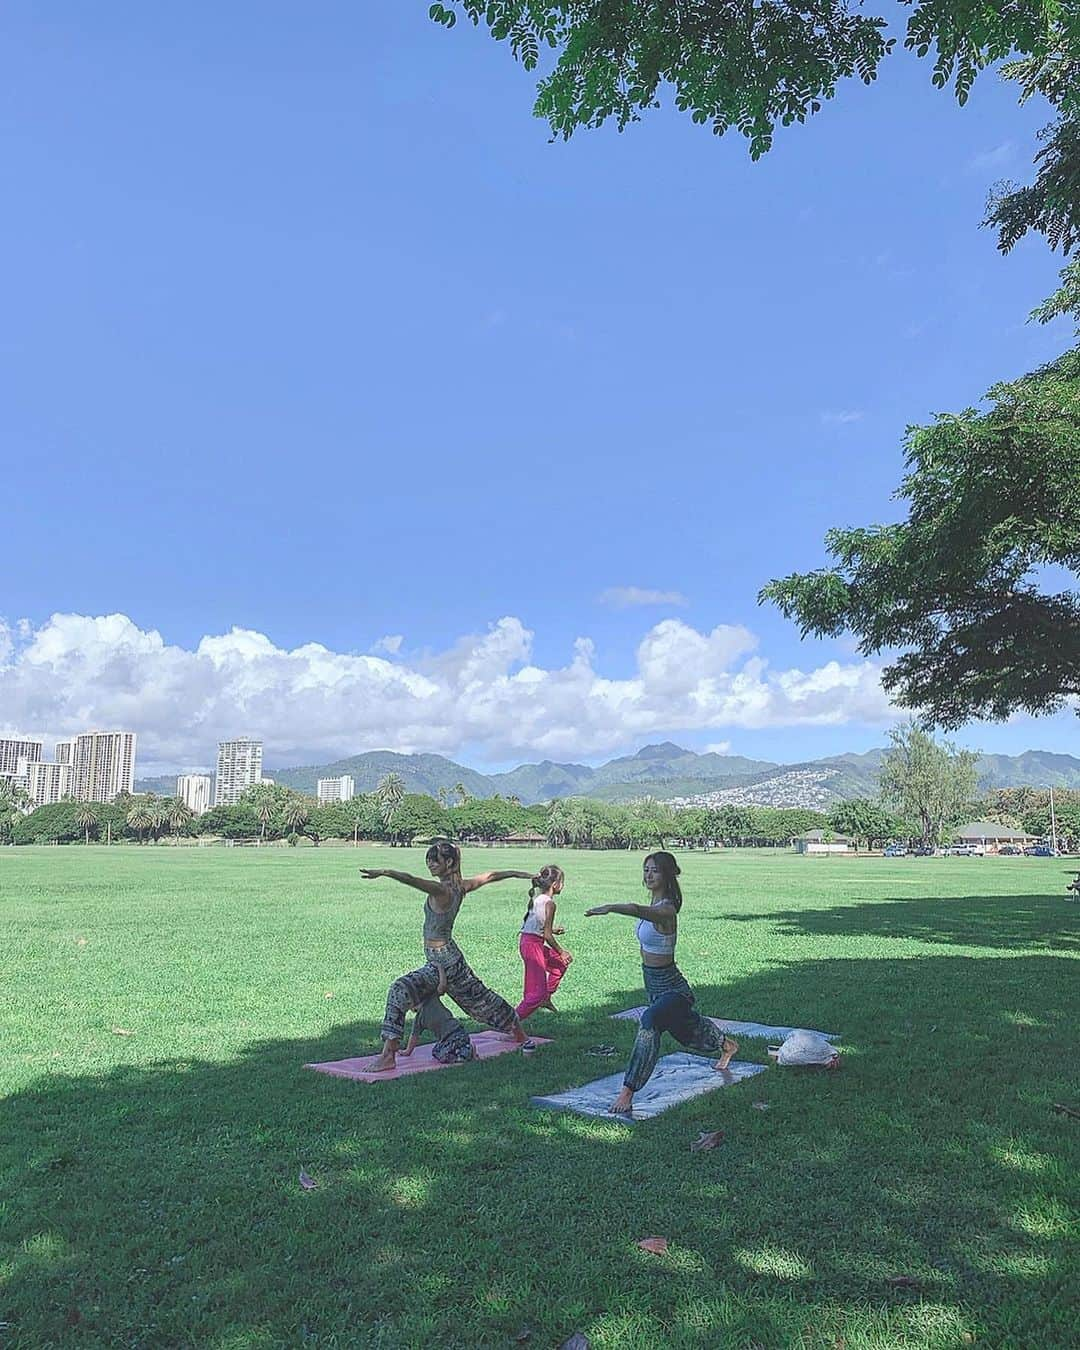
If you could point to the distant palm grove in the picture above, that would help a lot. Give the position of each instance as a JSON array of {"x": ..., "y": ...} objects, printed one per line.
[{"x": 271, "y": 814}]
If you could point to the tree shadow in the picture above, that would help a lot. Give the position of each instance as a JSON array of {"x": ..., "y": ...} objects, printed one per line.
[
  {"x": 1017, "y": 922},
  {"x": 160, "y": 1204}
]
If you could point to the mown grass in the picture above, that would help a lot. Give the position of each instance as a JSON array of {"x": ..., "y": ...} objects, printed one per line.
[{"x": 149, "y": 1188}]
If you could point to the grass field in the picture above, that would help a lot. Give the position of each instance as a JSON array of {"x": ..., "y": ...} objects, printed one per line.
[{"x": 149, "y": 1189}]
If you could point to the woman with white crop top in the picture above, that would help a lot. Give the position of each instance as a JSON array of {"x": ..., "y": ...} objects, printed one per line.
[
  {"x": 545, "y": 961},
  {"x": 671, "y": 1000}
]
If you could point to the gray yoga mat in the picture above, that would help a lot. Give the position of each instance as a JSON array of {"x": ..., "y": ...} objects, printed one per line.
[
  {"x": 755, "y": 1030},
  {"x": 676, "y": 1079}
]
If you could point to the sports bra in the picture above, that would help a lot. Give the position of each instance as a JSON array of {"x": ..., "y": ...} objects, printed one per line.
[
  {"x": 653, "y": 941},
  {"x": 439, "y": 925}
]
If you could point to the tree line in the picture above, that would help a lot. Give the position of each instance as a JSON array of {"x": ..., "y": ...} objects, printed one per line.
[{"x": 927, "y": 791}]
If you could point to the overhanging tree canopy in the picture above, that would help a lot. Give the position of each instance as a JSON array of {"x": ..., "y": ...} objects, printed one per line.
[
  {"x": 994, "y": 496},
  {"x": 733, "y": 63}
]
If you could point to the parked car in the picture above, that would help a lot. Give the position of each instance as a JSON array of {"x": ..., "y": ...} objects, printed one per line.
[
  {"x": 1041, "y": 851},
  {"x": 1010, "y": 851},
  {"x": 926, "y": 851},
  {"x": 967, "y": 850},
  {"x": 896, "y": 851}
]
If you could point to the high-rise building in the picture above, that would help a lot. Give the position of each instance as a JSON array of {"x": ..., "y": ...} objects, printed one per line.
[
  {"x": 103, "y": 765},
  {"x": 11, "y": 751},
  {"x": 194, "y": 790},
  {"x": 62, "y": 753},
  {"x": 341, "y": 789},
  {"x": 46, "y": 783},
  {"x": 239, "y": 766}
]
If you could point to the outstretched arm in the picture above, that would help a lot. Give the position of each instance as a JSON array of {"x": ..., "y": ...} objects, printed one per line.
[
  {"x": 650, "y": 912},
  {"x": 424, "y": 884},
  {"x": 482, "y": 879}
]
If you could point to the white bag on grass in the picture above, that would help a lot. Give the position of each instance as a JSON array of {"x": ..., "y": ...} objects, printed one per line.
[{"x": 807, "y": 1048}]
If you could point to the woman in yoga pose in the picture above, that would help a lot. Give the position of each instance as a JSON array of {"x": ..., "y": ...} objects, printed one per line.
[
  {"x": 671, "y": 1000},
  {"x": 445, "y": 891}
]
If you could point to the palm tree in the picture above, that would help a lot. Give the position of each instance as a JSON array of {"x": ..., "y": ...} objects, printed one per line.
[
  {"x": 140, "y": 819},
  {"x": 295, "y": 815},
  {"x": 463, "y": 793},
  {"x": 159, "y": 819},
  {"x": 179, "y": 814},
  {"x": 265, "y": 815},
  {"x": 442, "y": 795},
  {"x": 87, "y": 819},
  {"x": 388, "y": 794}
]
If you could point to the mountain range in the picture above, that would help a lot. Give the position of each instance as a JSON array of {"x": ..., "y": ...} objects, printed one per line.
[{"x": 665, "y": 771}]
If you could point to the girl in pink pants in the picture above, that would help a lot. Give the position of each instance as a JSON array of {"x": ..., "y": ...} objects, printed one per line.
[{"x": 545, "y": 961}]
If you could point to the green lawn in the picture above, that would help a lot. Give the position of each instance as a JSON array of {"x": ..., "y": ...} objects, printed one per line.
[{"x": 149, "y": 1188}]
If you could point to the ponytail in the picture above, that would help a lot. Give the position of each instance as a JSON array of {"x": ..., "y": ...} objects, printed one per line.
[{"x": 548, "y": 876}]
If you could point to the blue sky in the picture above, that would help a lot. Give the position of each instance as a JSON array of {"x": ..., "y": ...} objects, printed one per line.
[{"x": 308, "y": 331}]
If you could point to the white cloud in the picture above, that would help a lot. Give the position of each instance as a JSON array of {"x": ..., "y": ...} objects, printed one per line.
[
  {"x": 843, "y": 418},
  {"x": 626, "y": 597},
  {"x": 483, "y": 694},
  {"x": 993, "y": 159},
  {"x": 718, "y": 748},
  {"x": 390, "y": 644}
]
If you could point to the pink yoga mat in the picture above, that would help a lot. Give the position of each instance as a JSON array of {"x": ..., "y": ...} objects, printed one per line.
[{"x": 487, "y": 1044}]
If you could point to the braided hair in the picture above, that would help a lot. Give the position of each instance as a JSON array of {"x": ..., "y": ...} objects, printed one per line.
[{"x": 548, "y": 876}]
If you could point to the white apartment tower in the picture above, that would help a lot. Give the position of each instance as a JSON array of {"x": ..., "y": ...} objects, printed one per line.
[
  {"x": 11, "y": 751},
  {"x": 102, "y": 764},
  {"x": 194, "y": 790},
  {"x": 62, "y": 753},
  {"x": 46, "y": 783},
  {"x": 341, "y": 789},
  {"x": 239, "y": 766}
]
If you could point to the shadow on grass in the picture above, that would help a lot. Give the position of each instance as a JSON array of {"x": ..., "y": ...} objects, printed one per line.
[
  {"x": 1026, "y": 922},
  {"x": 160, "y": 1205}
]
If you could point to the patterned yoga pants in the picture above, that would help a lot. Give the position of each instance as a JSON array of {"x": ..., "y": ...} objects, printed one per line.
[
  {"x": 671, "y": 1008},
  {"x": 462, "y": 984}
]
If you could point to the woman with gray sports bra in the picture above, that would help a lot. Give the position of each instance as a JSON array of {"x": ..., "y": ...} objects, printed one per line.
[
  {"x": 671, "y": 1000},
  {"x": 445, "y": 892}
]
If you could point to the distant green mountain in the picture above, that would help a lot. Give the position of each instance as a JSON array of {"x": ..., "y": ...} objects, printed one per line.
[
  {"x": 664, "y": 771},
  {"x": 419, "y": 773}
]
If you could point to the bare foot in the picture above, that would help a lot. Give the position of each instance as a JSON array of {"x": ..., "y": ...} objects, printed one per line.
[
  {"x": 547, "y": 1003},
  {"x": 731, "y": 1049},
  {"x": 385, "y": 1061},
  {"x": 623, "y": 1104}
]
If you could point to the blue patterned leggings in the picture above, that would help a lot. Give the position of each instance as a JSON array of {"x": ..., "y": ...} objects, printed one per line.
[{"x": 671, "y": 1008}]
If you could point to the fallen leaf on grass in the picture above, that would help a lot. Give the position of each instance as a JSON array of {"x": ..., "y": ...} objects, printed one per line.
[
  {"x": 522, "y": 1336},
  {"x": 308, "y": 1183},
  {"x": 658, "y": 1246},
  {"x": 902, "y": 1282},
  {"x": 760, "y": 1106},
  {"x": 80, "y": 942},
  {"x": 602, "y": 1051},
  {"x": 328, "y": 995},
  {"x": 578, "y": 1341},
  {"x": 1064, "y": 1110},
  {"x": 122, "y": 1031},
  {"x": 707, "y": 1139},
  {"x": 967, "y": 1337}
]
